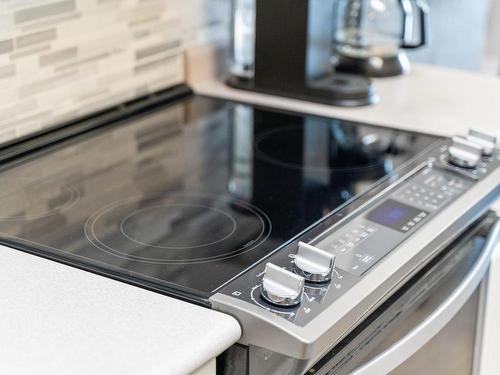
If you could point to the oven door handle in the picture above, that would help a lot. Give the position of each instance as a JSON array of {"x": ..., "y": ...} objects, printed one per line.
[{"x": 437, "y": 320}]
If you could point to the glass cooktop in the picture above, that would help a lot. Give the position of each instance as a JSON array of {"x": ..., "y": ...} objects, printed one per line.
[{"x": 183, "y": 198}]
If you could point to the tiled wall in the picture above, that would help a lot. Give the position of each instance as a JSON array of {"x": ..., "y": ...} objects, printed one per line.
[{"x": 60, "y": 59}]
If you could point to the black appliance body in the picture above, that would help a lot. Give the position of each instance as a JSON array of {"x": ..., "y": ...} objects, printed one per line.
[{"x": 292, "y": 56}]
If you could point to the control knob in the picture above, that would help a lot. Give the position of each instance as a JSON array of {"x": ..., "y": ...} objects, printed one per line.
[
  {"x": 281, "y": 287},
  {"x": 464, "y": 153},
  {"x": 484, "y": 139},
  {"x": 314, "y": 264}
]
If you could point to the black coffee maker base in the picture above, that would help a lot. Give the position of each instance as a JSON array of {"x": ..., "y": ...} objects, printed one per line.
[
  {"x": 339, "y": 89},
  {"x": 374, "y": 66}
]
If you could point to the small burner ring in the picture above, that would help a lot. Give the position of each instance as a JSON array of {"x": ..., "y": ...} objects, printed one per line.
[
  {"x": 69, "y": 196},
  {"x": 284, "y": 161}
]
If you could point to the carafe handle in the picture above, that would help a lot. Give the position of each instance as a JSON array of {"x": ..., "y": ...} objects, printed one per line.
[{"x": 407, "y": 30}]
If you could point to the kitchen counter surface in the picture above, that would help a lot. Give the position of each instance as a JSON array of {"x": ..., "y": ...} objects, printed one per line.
[
  {"x": 55, "y": 319},
  {"x": 430, "y": 99},
  {"x": 71, "y": 321}
]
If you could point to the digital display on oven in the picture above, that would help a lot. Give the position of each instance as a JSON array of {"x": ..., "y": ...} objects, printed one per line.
[{"x": 396, "y": 215}]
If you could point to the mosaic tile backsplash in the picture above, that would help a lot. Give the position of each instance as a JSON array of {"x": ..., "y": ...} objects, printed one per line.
[{"x": 66, "y": 58}]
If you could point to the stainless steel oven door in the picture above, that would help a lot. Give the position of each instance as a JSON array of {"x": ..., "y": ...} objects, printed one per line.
[
  {"x": 433, "y": 324},
  {"x": 442, "y": 336}
]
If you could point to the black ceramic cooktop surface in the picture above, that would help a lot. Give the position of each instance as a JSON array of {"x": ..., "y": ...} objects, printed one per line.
[{"x": 185, "y": 197}]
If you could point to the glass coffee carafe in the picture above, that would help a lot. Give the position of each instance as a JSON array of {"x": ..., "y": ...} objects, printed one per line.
[{"x": 369, "y": 35}]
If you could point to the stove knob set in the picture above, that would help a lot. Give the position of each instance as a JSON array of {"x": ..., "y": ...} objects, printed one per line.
[
  {"x": 467, "y": 152},
  {"x": 313, "y": 264},
  {"x": 281, "y": 287}
]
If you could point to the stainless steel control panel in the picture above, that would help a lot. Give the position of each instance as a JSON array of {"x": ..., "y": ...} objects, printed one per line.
[
  {"x": 313, "y": 274},
  {"x": 370, "y": 236}
]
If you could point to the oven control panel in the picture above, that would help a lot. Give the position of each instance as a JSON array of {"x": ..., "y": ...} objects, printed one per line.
[
  {"x": 300, "y": 280},
  {"x": 369, "y": 237}
]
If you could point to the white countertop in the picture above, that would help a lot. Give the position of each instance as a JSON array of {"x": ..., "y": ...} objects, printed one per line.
[
  {"x": 60, "y": 320},
  {"x": 430, "y": 99},
  {"x": 56, "y": 319}
]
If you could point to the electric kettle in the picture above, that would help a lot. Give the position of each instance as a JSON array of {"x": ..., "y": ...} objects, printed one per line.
[{"x": 369, "y": 35}]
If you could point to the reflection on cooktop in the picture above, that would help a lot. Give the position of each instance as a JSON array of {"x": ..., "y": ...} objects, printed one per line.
[
  {"x": 323, "y": 146},
  {"x": 178, "y": 228},
  {"x": 35, "y": 200},
  {"x": 188, "y": 196}
]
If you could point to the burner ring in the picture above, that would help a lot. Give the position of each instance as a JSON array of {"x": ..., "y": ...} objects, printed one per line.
[
  {"x": 218, "y": 211},
  {"x": 159, "y": 256},
  {"x": 262, "y": 154},
  {"x": 73, "y": 195}
]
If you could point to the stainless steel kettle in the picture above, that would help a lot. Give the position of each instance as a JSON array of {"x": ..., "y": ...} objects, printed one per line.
[{"x": 369, "y": 35}]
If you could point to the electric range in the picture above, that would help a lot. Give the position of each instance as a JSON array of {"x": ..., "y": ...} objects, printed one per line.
[{"x": 297, "y": 225}]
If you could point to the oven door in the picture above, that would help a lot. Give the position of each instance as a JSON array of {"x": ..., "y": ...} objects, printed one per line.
[{"x": 433, "y": 325}]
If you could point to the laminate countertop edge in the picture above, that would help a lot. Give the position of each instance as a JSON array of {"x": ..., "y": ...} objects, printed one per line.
[{"x": 56, "y": 319}]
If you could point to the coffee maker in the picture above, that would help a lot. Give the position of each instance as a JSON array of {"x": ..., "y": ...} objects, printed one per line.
[{"x": 282, "y": 47}]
